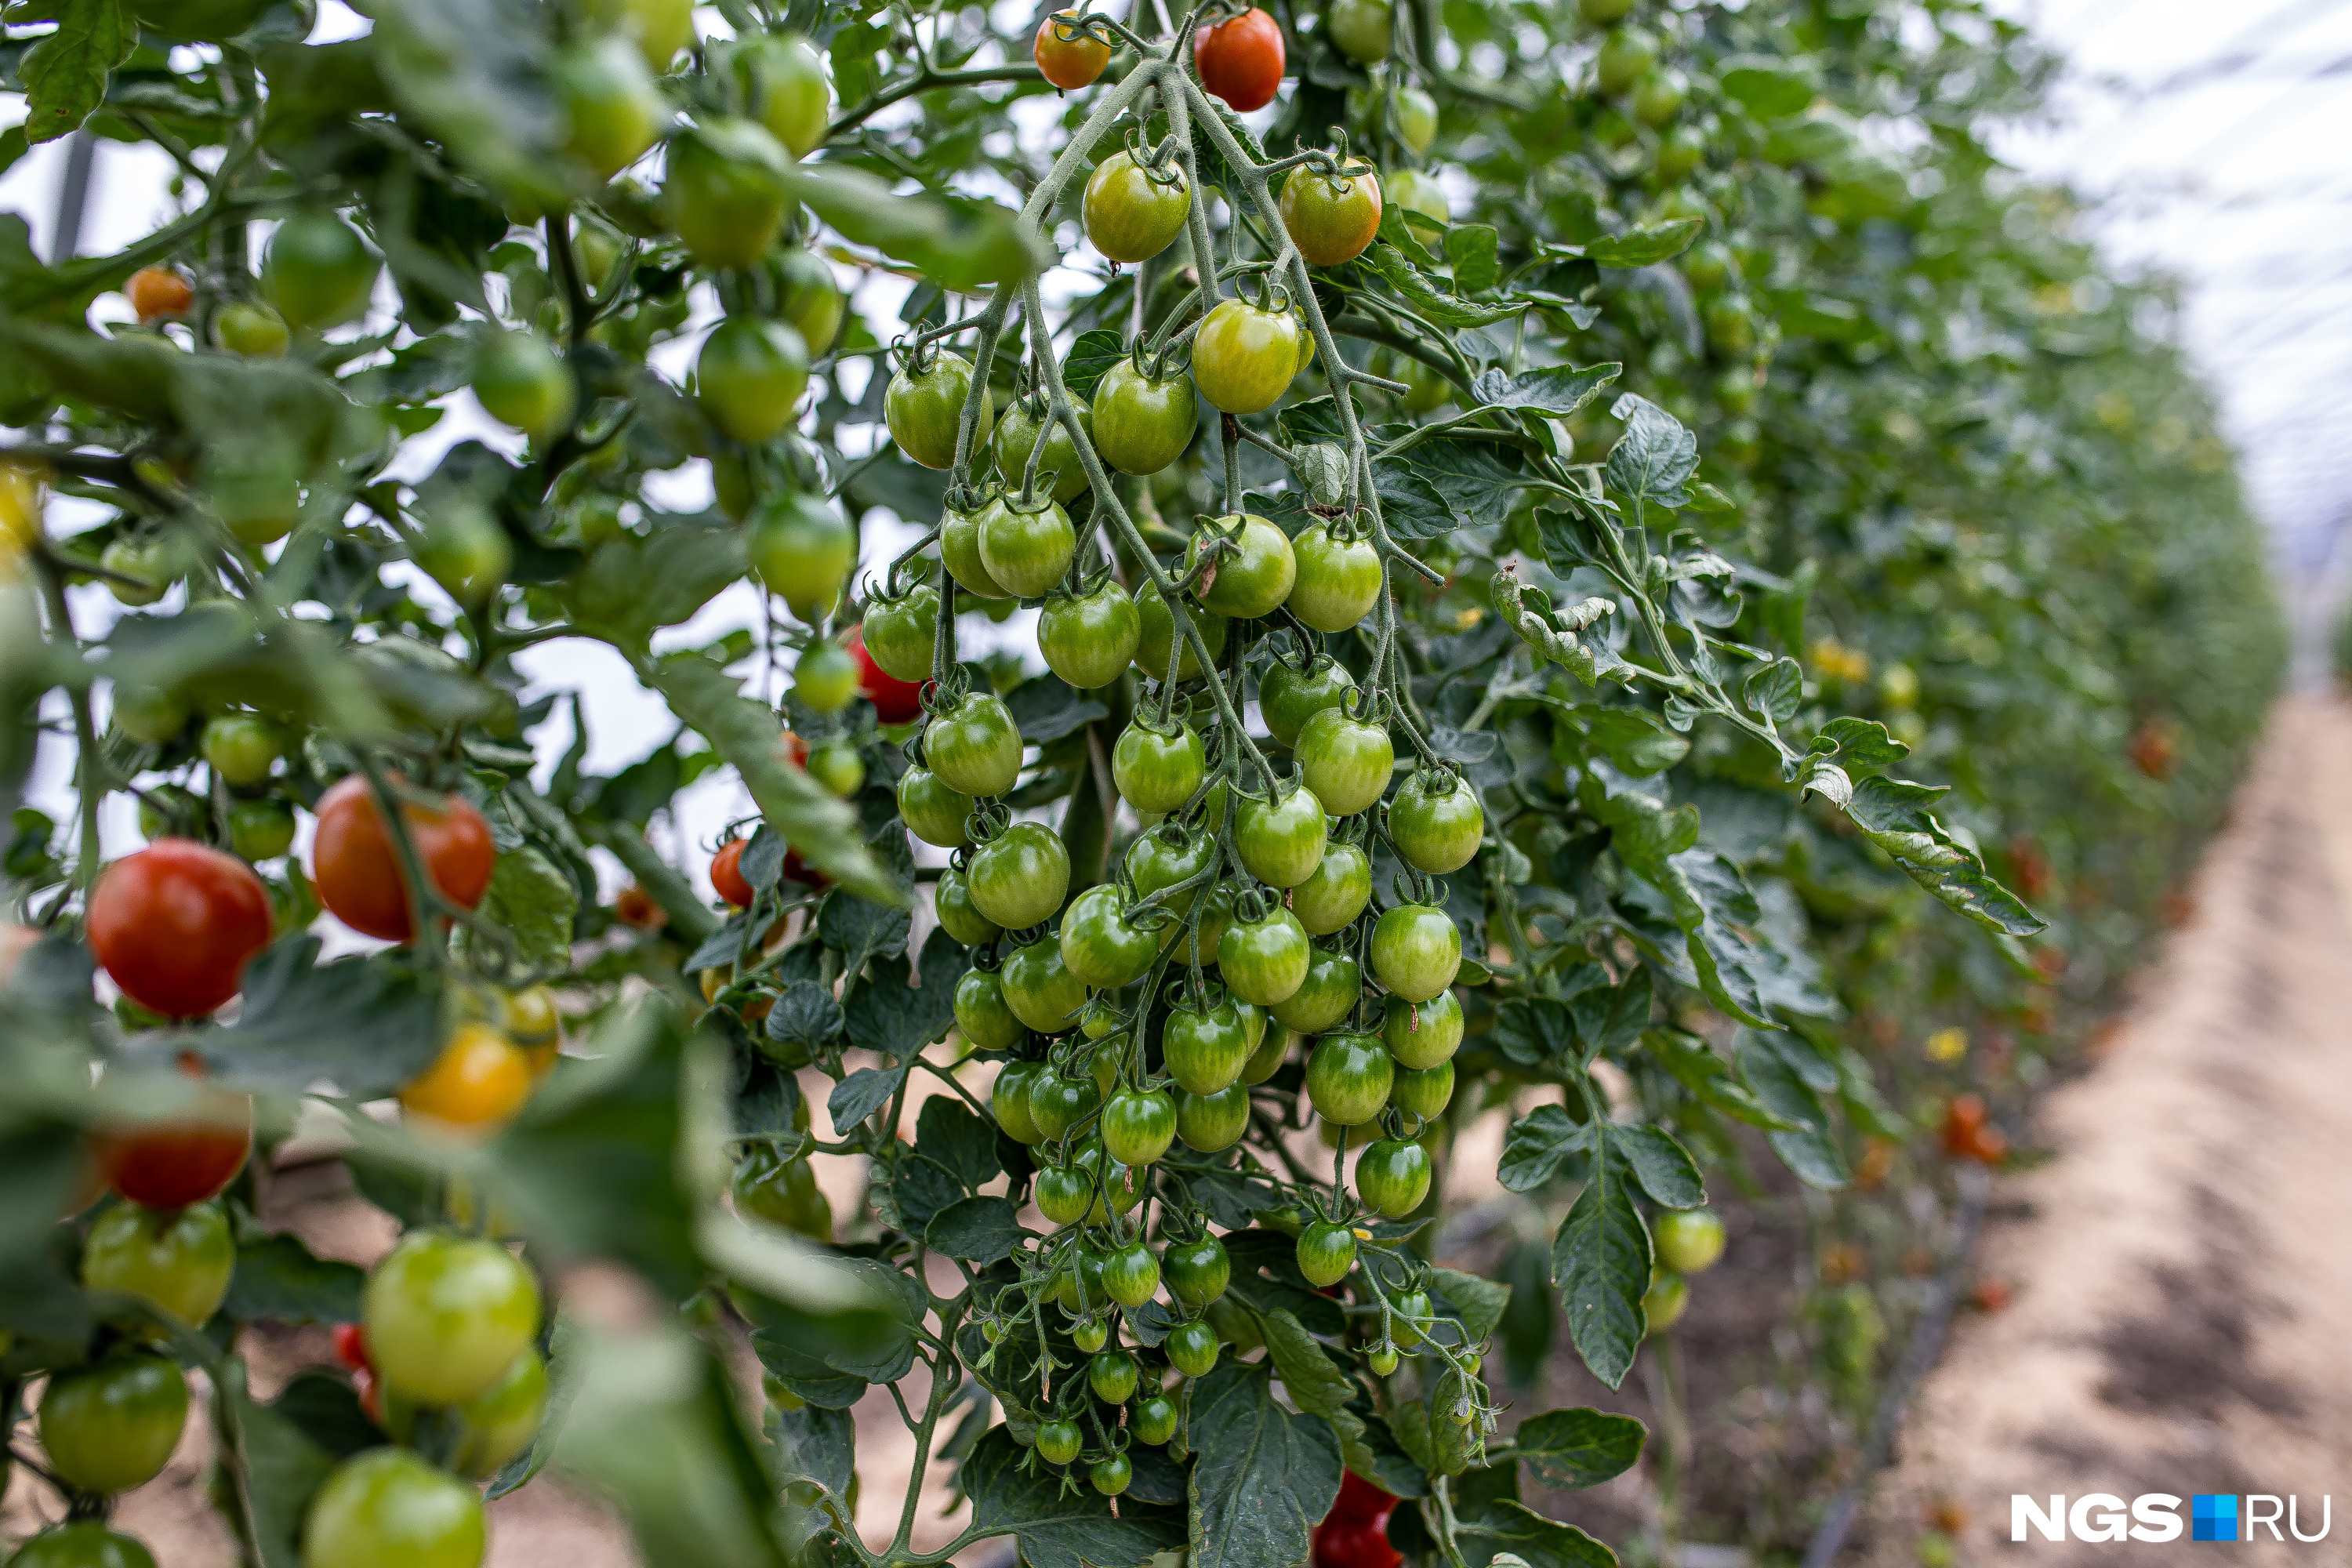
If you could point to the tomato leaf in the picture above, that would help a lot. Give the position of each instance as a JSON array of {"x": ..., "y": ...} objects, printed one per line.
[
  {"x": 1806, "y": 1146},
  {"x": 1572, "y": 1449},
  {"x": 1265, "y": 1477},
  {"x": 958, "y": 242},
  {"x": 1655, "y": 459},
  {"x": 278, "y": 1280},
  {"x": 1662, "y": 1165},
  {"x": 979, "y": 1230},
  {"x": 1539, "y": 1143},
  {"x": 886, "y": 1013},
  {"x": 1600, "y": 1262},
  {"x": 1893, "y": 813},
  {"x": 1089, "y": 358},
  {"x": 817, "y": 1442},
  {"x": 281, "y": 1469},
  {"x": 858, "y": 929},
  {"x": 1770, "y": 87},
  {"x": 1480, "y": 1303},
  {"x": 1423, "y": 295},
  {"x": 535, "y": 901},
  {"x": 1505, "y": 1528},
  {"x": 1556, "y": 391},
  {"x": 65, "y": 75},
  {"x": 1648, "y": 245},
  {"x": 366, "y": 1024},
  {"x": 861, "y": 1094},
  {"x": 1470, "y": 246}
]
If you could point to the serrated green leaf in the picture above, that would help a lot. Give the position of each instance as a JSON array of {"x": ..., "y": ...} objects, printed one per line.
[
  {"x": 1572, "y": 1449},
  {"x": 1663, "y": 1166},
  {"x": 1265, "y": 1477},
  {"x": 1648, "y": 245},
  {"x": 1893, "y": 813},
  {"x": 531, "y": 898},
  {"x": 1600, "y": 1262},
  {"x": 65, "y": 75}
]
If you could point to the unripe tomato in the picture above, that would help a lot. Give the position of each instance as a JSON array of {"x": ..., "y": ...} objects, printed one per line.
[
  {"x": 112, "y": 1425},
  {"x": 1423, "y": 1034},
  {"x": 480, "y": 1079},
  {"x": 895, "y": 701},
  {"x": 1088, "y": 638},
  {"x": 1680, "y": 151},
  {"x": 825, "y": 678},
  {"x": 783, "y": 1193},
  {"x": 1065, "y": 1193},
  {"x": 1602, "y": 13},
  {"x": 749, "y": 375},
  {"x": 1281, "y": 839},
  {"x": 1244, "y": 358},
  {"x": 1102, "y": 946},
  {"x": 1140, "y": 425},
  {"x": 988, "y": 1024},
  {"x": 85, "y": 1545},
  {"x": 1153, "y": 1421},
  {"x": 1336, "y": 893},
  {"x": 1018, "y": 880},
  {"x": 465, "y": 550},
  {"x": 1060, "y": 473},
  {"x": 387, "y": 1507},
  {"x": 1326, "y": 1253},
  {"x": 1026, "y": 546},
  {"x": 722, "y": 193},
  {"x": 1112, "y": 1375},
  {"x": 1730, "y": 326},
  {"x": 241, "y": 748},
  {"x": 1393, "y": 1177},
  {"x": 1241, "y": 61},
  {"x": 1009, "y": 1097},
  {"x": 158, "y": 293},
  {"x": 1416, "y": 951},
  {"x": 803, "y": 548},
  {"x": 785, "y": 78},
  {"x": 176, "y": 924},
  {"x": 1252, "y": 578},
  {"x": 975, "y": 748},
  {"x": 1436, "y": 822},
  {"x": 808, "y": 297},
  {"x": 951, "y": 898},
  {"x": 249, "y": 328},
  {"x": 1090, "y": 1335},
  {"x": 178, "y": 1259},
  {"x": 1360, "y": 29},
  {"x": 1416, "y": 116},
  {"x": 1044, "y": 994},
  {"x": 1287, "y": 699},
  {"x": 1164, "y": 856},
  {"x": 446, "y": 1316},
  {"x": 1382, "y": 1359},
  {"x": 1133, "y": 213},
  {"x": 726, "y": 877},
  {"x": 900, "y": 633},
  {"x": 1331, "y": 218},
  {"x": 1347, "y": 1077},
  {"x": 932, "y": 811},
  {"x": 1663, "y": 1302},
  {"x": 1344, "y": 761},
  {"x": 612, "y": 110},
  {"x": 357, "y": 870},
  {"x": 1659, "y": 97},
  {"x": 1058, "y": 1442},
  {"x": 1197, "y": 1272},
  {"x": 1070, "y": 63},
  {"x": 1710, "y": 265},
  {"x": 658, "y": 27},
  {"x": 148, "y": 715},
  {"x": 1265, "y": 961},
  {"x": 1268, "y": 1057},
  {"x": 1414, "y": 191},
  {"x": 1425, "y": 1093},
  {"x": 1157, "y": 769},
  {"x": 1339, "y": 582},
  {"x": 924, "y": 408},
  {"x": 1112, "y": 1475},
  {"x": 494, "y": 1426},
  {"x": 317, "y": 271},
  {"x": 1208, "y": 1123},
  {"x": 1156, "y": 640},
  {"x": 260, "y": 829},
  {"x": 1626, "y": 55},
  {"x": 1204, "y": 1048},
  {"x": 1132, "y": 1274},
  {"x": 1328, "y": 994},
  {"x": 959, "y": 549},
  {"x": 1688, "y": 1241}
]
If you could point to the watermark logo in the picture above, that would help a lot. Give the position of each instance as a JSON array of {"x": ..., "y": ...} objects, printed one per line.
[{"x": 2156, "y": 1517}]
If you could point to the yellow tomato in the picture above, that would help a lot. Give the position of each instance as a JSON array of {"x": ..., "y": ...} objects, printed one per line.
[{"x": 482, "y": 1079}]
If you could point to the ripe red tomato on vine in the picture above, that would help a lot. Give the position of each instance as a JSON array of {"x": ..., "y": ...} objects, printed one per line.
[
  {"x": 1241, "y": 61},
  {"x": 895, "y": 701},
  {"x": 727, "y": 874},
  {"x": 1354, "y": 1533},
  {"x": 176, "y": 924},
  {"x": 356, "y": 866}
]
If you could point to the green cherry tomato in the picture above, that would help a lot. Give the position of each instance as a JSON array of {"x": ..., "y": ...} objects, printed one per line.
[
  {"x": 1347, "y": 1077},
  {"x": 1064, "y": 1193},
  {"x": 179, "y": 1260},
  {"x": 1157, "y": 769},
  {"x": 1416, "y": 115},
  {"x": 260, "y": 829},
  {"x": 934, "y": 813},
  {"x": 1281, "y": 840},
  {"x": 150, "y": 716},
  {"x": 1138, "y": 1125},
  {"x": 984, "y": 1019},
  {"x": 1112, "y": 1475},
  {"x": 522, "y": 383},
  {"x": 1204, "y": 1049},
  {"x": 659, "y": 29},
  {"x": 1663, "y": 1302},
  {"x": 1407, "y": 1312},
  {"x": 1026, "y": 547},
  {"x": 1414, "y": 191},
  {"x": 142, "y": 563},
  {"x": 1393, "y": 1177},
  {"x": 466, "y": 551},
  {"x": 1730, "y": 326},
  {"x": 1626, "y": 55},
  {"x": 111, "y": 1426},
  {"x": 251, "y": 329},
  {"x": 1689, "y": 1240},
  {"x": 1423, "y": 1034},
  {"x": 959, "y": 916},
  {"x": 1435, "y": 820},
  {"x": 1192, "y": 1348},
  {"x": 1132, "y": 1274},
  {"x": 1091, "y": 1335},
  {"x": 783, "y": 1193},
  {"x": 1197, "y": 1271},
  {"x": 84, "y": 1545},
  {"x": 1132, "y": 213},
  {"x": 241, "y": 748},
  {"x": 750, "y": 376},
  {"x": 1265, "y": 961},
  {"x": 722, "y": 194},
  {"x": 1165, "y": 855},
  {"x": 1416, "y": 950},
  {"x": 1336, "y": 894},
  {"x": 613, "y": 111},
  {"x": 1009, "y": 1097},
  {"x": 1658, "y": 96},
  {"x": 1423, "y": 1092},
  {"x": 1157, "y": 640},
  {"x": 900, "y": 632},
  {"x": 785, "y": 82},
  {"x": 1153, "y": 1421},
  {"x": 1141, "y": 425},
  {"x": 1244, "y": 358},
  {"x": 1058, "y": 1442},
  {"x": 1100, "y": 946},
  {"x": 1680, "y": 152},
  {"x": 975, "y": 748},
  {"x": 1338, "y": 580},
  {"x": 1331, "y": 218},
  {"x": 959, "y": 550},
  {"x": 446, "y": 1315},
  {"x": 808, "y": 297},
  {"x": 387, "y": 1507},
  {"x": 1018, "y": 878},
  {"x": 1326, "y": 1253},
  {"x": 924, "y": 408},
  {"x": 1344, "y": 761},
  {"x": 826, "y": 677},
  {"x": 1288, "y": 698},
  {"x": 836, "y": 765},
  {"x": 1060, "y": 473},
  {"x": 1382, "y": 1359},
  {"x": 1112, "y": 1375},
  {"x": 803, "y": 548},
  {"x": 1328, "y": 994},
  {"x": 1044, "y": 994},
  {"x": 1088, "y": 638},
  {"x": 1359, "y": 28},
  {"x": 1208, "y": 1123},
  {"x": 1272, "y": 1050},
  {"x": 495, "y": 1426},
  {"x": 1206, "y": 942},
  {"x": 317, "y": 271},
  {"x": 1710, "y": 265},
  {"x": 1253, "y": 576}
]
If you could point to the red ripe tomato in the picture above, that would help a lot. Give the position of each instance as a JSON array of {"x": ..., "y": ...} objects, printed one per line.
[
  {"x": 176, "y": 924},
  {"x": 727, "y": 874},
  {"x": 635, "y": 907},
  {"x": 357, "y": 869},
  {"x": 1360, "y": 1500},
  {"x": 895, "y": 701},
  {"x": 350, "y": 1347},
  {"x": 170, "y": 1164},
  {"x": 1964, "y": 1119},
  {"x": 1241, "y": 61},
  {"x": 1069, "y": 64},
  {"x": 1354, "y": 1533}
]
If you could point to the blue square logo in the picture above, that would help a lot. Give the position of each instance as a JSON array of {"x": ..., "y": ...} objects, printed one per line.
[{"x": 2213, "y": 1516}]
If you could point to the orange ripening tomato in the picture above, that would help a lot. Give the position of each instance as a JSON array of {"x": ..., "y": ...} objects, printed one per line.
[
  {"x": 727, "y": 874},
  {"x": 1070, "y": 63},
  {"x": 1241, "y": 61},
  {"x": 176, "y": 924},
  {"x": 1963, "y": 1118},
  {"x": 480, "y": 1078},
  {"x": 159, "y": 292},
  {"x": 635, "y": 907},
  {"x": 357, "y": 868}
]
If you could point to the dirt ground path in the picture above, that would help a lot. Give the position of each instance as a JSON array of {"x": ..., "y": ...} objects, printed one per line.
[{"x": 2182, "y": 1319}]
